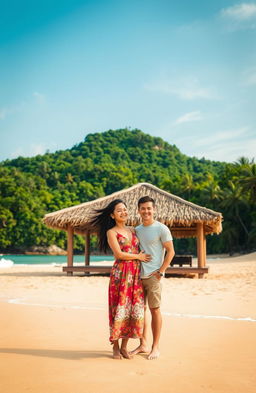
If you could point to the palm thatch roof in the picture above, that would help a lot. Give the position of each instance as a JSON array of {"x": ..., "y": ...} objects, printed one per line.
[{"x": 178, "y": 214}]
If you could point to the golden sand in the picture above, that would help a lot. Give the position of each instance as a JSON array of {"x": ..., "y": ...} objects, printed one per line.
[{"x": 54, "y": 333}]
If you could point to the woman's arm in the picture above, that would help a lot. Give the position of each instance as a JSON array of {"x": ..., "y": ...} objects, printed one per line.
[{"x": 118, "y": 254}]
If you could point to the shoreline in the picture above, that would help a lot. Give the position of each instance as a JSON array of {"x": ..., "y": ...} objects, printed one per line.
[
  {"x": 51, "y": 254},
  {"x": 210, "y": 256}
]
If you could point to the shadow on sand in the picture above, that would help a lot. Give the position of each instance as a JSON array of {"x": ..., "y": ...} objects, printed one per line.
[{"x": 58, "y": 353}]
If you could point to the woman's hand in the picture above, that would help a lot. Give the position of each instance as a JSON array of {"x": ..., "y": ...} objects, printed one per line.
[{"x": 144, "y": 257}]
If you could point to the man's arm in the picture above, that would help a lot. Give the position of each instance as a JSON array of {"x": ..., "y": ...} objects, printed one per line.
[{"x": 168, "y": 256}]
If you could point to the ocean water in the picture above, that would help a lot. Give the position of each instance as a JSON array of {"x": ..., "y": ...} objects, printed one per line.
[{"x": 51, "y": 259}]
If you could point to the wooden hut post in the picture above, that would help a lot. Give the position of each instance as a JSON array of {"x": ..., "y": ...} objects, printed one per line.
[
  {"x": 204, "y": 250},
  {"x": 200, "y": 247},
  {"x": 70, "y": 249},
  {"x": 87, "y": 248}
]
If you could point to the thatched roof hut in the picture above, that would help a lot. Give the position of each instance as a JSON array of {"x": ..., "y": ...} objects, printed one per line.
[
  {"x": 178, "y": 214},
  {"x": 185, "y": 219}
]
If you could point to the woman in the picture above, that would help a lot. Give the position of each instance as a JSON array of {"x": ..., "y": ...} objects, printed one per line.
[{"x": 126, "y": 300}]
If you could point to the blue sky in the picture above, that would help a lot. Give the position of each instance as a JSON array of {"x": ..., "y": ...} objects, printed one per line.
[{"x": 184, "y": 71}]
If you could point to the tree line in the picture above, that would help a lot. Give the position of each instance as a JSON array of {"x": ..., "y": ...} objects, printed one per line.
[{"x": 110, "y": 161}]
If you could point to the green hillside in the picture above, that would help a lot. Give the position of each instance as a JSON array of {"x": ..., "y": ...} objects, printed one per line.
[{"x": 112, "y": 160}]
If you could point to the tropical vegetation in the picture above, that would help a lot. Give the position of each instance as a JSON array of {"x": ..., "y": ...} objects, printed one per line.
[{"x": 113, "y": 160}]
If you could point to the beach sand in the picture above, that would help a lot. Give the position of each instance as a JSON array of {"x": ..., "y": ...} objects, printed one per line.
[{"x": 54, "y": 333}]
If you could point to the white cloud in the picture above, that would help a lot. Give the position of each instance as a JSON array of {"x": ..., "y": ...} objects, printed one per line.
[
  {"x": 249, "y": 77},
  {"x": 188, "y": 117},
  {"x": 222, "y": 137},
  {"x": 240, "y": 12},
  {"x": 37, "y": 149},
  {"x": 227, "y": 145},
  {"x": 40, "y": 98},
  {"x": 29, "y": 151},
  {"x": 7, "y": 111},
  {"x": 186, "y": 89},
  {"x": 191, "y": 93},
  {"x": 3, "y": 113},
  {"x": 230, "y": 151},
  {"x": 240, "y": 16}
]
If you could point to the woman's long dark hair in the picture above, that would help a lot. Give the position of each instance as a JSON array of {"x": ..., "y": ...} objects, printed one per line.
[{"x": 102, "y": 222}]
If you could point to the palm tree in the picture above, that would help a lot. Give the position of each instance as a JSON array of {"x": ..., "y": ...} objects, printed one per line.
[
  {"x": 233, "y": 201},
  {"x": 44, "y": 169},
  {"x": 252, "y": 234},
  {"x": 212, "y": 191},
  {"x": 54, "y": 179},
  {"x": 69, "y": 178},
  {"x": 230, "y": 236},
  {"x": 187, "y": 184},
  {"x": 248, "y": 181},
  {"x": 243, "y": 162}
]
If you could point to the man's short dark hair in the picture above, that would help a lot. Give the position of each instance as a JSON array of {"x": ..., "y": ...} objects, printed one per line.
[{"x": 146, "y": 199}]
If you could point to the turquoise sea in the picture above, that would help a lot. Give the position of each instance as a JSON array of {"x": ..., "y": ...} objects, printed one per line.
[{"x": 51, "y": 259}]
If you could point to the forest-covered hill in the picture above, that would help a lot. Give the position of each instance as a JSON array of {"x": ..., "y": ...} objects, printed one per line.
[{"x": 113, "y": 160}]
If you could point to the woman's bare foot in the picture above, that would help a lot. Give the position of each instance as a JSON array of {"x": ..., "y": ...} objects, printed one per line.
[
  {"x": 154, "y": 354},
  {"x": 116, "y": 353},
  {"x": 140, "y": 349},
  {"x": 125, "y": 353},
  {"x": 116, "y": 350}
]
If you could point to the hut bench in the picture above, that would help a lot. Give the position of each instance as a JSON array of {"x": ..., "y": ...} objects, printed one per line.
[
  {"x": 107, "y": 269},
  {"x": 182, "y": 260}
]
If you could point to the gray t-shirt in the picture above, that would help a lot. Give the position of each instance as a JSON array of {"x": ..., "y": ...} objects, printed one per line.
[{"x": 151, "y": 239}]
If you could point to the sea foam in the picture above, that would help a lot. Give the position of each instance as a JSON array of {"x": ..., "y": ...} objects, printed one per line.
[{"x": 6, "y": 263}]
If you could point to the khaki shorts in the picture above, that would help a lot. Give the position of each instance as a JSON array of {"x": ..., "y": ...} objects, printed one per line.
[{"x": 152, "y": 291}]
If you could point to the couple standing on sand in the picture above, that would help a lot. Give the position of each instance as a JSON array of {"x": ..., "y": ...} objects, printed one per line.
[{"x": 136, "y": 275}]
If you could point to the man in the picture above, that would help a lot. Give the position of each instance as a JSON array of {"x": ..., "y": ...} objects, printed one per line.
[{"x": 155, "y": 238}]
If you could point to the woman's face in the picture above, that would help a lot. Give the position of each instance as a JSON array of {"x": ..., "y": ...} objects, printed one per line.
[{"x": 120, "y": 213}]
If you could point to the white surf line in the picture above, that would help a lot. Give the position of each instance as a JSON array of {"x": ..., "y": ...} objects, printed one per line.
[
  {"x": 246, "y": 319},
  {"x": 166, "y": 313},
  {"x": 23, "y": 303}
]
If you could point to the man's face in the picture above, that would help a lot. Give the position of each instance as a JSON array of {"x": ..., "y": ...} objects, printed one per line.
[{"x": 146, "y": 211}]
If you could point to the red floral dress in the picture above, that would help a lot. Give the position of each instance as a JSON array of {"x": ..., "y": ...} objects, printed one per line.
[{"x": 126, "y": 298}]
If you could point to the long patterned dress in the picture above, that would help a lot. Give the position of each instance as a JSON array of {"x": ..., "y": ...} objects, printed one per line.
[{"x": 126, "y": 298}]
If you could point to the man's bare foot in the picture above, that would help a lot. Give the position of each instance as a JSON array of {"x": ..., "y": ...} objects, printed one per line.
[
  {"x": 116, "y": 353},
  {"x": 140, "y": 349},
  {"x": 125, "y": 353},
  {"x": 154, "y": 354}
]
